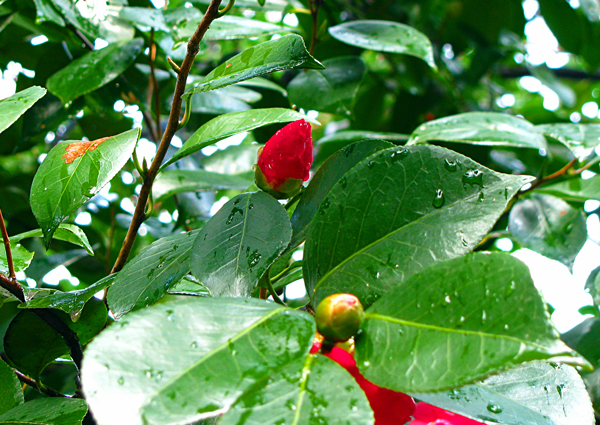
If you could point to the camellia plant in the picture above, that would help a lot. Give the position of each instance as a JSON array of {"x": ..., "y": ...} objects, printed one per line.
[{"x": 151, "y": 241}]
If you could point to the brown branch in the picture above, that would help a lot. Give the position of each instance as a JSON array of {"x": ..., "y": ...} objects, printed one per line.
[
  {"x": 563, "y": 171},
  {"x": 43, "y": 389},
  {"x": 9, "y": 259},
  {"x": 192, "y": 50},
  {"x": 314, "y": 11}
]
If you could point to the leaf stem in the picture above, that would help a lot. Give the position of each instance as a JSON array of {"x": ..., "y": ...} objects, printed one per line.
[
  {"x": 267, "y": 280},
  {"x": 563, "y": 171},
  {"x": 192, "y": 50},
  {"x": 41, "y": 388},
  {"x": 285, "y": 271},
  {"x": 226, "y": 9},
  {"x": 153, "y": 89},
  {"x": 314, "y": 11}
]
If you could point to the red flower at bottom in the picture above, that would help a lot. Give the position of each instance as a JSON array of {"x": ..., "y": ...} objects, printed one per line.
[{"x": 393, "y": 407}]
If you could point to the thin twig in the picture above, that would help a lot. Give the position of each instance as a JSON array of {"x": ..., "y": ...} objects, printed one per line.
[
  {"x": 314, "y": 11},
  {"x": 154, "y": 94},
  {"x": 82, "y": 37},
  {"x": 43, "y": 389},
  {"x": 9, "y": 259},
  {"x": 553, "y": 176},
  {"x": 139, "y": 215}
]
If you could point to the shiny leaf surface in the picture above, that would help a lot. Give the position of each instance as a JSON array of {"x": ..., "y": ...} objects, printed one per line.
[
  {"x": 481, "y": 128},
  {"x": 303, "y": 394},
  {"x": 47, "y": 411},
  {"x": 65, "y": 232},
  {"x": 456, "y": 322},
  {"x": 286, "y": 52},
  {"x": 148, "y": 276},
  {"x": 94, "y": 69},
  {"x": 13, "y": 107},
  {"x": 385, "y": 36},
  {"x": 532, "y": 394},
  {"x": 397, "y": 212},
  {"x": 21, "y": 258},
  {"x": 72, "y": 173},
  {"x": 179, "y": 346},
  {"x": 582, "y": 139},
  {"x": 576, "y": 190},
  {"x": 230, "y": 27},
  {"x": 235, "y": 247}
]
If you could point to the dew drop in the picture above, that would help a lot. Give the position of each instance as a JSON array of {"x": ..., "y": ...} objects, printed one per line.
[
  {"x": 494, "y": 408},
  {"x": 439, "y": 199},
  {"x": 121, "y": 380},
  {"x": 451, "y": 166},
  {"x": 399, "y": 154}
]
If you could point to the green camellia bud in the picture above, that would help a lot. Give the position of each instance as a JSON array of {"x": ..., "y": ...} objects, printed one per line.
[{"x": 338, "y": 317}]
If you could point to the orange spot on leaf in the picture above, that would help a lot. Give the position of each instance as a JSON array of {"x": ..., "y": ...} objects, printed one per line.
[{"x": 78, "y": 149}]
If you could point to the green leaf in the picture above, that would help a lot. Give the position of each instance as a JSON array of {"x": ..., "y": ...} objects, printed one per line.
[
  {"x": 574, "y": 190},
  {"x": 385, "y": 36},
  {"x": 263, "y": 83},
  {"x": 46, "y": 12},
  {"x": 549, "y": 226},
  {"x": 581, "y": 139},
  {"x": 13, "y": 107},
  {"x": 398, "y": 212},
  {"x": 227, "y": 125},
  {"x": 145, "y": 17},
  {"x": 31, "y": 351},
  {"x": 332, "y": 143},
  {"x": 331, "y": 90},
  {"x": 531, "y": 394},
  {"x": 286, "y": 52},
  {"x": 11, "y": 393},
  {"x": 232, "y": 160},
  {"x": 328, "y": 175},
  {"x": 456, "y": 322},
  {"x": 155, "y": 270},
  {"x": 592, "y": 285},
  {"x": 303, "y": 394},
  {"x": 186, "y": 359},
  {"x": 229, "y": 27},
  {"x": 171, "y": 182},
  {"x": 72, "y": 302},
  {"x": 239, "y": 243},
  {"x": 72, "y": 173},
  {"x": 21, "y": 258},
  {"x": 481, "y": 128},
  {"x": 94, "y": 69},
  {"x": 64, "y": 232},
  {"x": 47, "y": 411}
]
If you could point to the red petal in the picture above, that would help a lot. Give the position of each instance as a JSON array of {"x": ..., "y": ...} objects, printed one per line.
[
  {"x": 426, "y": 414},
  {"x": 288, "y": 154}
]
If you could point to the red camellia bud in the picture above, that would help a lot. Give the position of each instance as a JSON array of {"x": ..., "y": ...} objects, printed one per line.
[
  {"x": 284, "y": 162},
  {"x": 338, "y": 317}
]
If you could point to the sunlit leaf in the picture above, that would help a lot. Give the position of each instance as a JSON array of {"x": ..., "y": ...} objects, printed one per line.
[
  {"x": 64, "y": 232},
  {"x": 171, "y": 182},
  {"x": 13, "y": 107},
  {"x": 47, "y": 411}
]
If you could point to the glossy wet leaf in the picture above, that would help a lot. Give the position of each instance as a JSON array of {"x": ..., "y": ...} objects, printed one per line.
[
  {"x": 385, "y": 36},
  {"x": 331, "y": 143},
  {"x": 31, "y": 351},
  {"x": 94, "y": 69},
  {"x": 481, "y": 128},
  {"x": 14, "y": 106},
  {"x": 332, "y": 170},
  {"x": 171, "y": 182},
  {"x": 455, "y": 322},
  {"x": 303, "y": 393},
  {"x": 263, "y": 83},
  {"x": 227, "y": 125},
  {"x": 582, "y": 139},
  {"x": 398, "y": 212},
  {"x": 11, "y": 393},
  {"x": 72, "y": 302},
  {"x": 232, "y": 160},
  {"x": 72, "y": 173},
  {"x": 178, "y": 347},
  {"x": 592, "y": 285},
  {"x": 151, "y": 273},
  {"x": 549, "y": 226},
  {"x": 21, "y": 258},
  {"x": 65, "y": 232},
  {"x": 47, "y": 411},
  {"x": 574, "y": 190},
  {"x": 531, "y": 394},
  {"x": 332, "y": 89},
  {"x": 235, "y": 247},
  {"x": 145, "y": 17},
  {"x": 230, "y": 27},
  {"x": 286, "y": 52}
]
